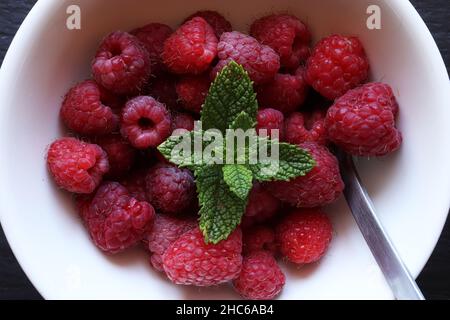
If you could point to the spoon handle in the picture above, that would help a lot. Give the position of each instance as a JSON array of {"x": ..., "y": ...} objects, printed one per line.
[{"x": 397, "y": 275}]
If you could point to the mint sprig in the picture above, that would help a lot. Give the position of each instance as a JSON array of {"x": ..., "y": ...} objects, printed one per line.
[{"x": 223, "y": 186}]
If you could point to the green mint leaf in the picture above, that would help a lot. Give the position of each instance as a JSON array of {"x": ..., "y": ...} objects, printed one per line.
[
  {"x": 293, "y": 162},
  {"x": 220, "y": 209},
  {"x": 243, "y": 121},
  {"x": 230, "y": 94},
  {"x": 239, "y": 178}
]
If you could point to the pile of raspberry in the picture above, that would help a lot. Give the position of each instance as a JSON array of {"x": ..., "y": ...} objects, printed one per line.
[{"x": 150, "y": 81}]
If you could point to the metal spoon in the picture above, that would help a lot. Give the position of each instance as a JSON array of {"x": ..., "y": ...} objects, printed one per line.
[{"x": 397, "y": 275}]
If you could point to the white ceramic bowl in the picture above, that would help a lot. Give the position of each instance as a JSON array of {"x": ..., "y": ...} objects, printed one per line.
[{"x": 411, "y": 189}]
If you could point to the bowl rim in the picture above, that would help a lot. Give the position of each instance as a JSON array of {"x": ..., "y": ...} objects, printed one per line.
[{"x": 44, "y": 9}]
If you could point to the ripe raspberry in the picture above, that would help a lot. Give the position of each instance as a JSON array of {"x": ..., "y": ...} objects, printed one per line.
[
  {"x": 189, "y": 261},
  {"x": 304, "y": 235},
  {"x": 261, "y": 206},
  {"x": 84, "y": 110},
  {"x": 337, "y": 64},
  {"x": 362, "y": 122},
  {"x": 259, "y": 238},
  {"x": 82, "y": 203},
  {"x": 163, "y": 89},
  {"x": 121, "y": 155},
  {"x": 270, "y": 120},
  {"x": 192, "y": 91},
  {"x": 298, "y": 131},
  {"x": 285, "y": 92},
  {"x": 182, "y": 121},
  {"x": 169, "y": 188},
  {"x": 121, "y": 63},
  {"x": 261, "y": 278},
  {"x": 77, "y": 166},
  {"x": 287, "y": 35},
  {"x": 191, "y": 49},
  {"x": 215, "y": 20},
  {"x": 115, "y": 220},
  {"x": 136, "y": 185},
  {"x": 260, "y": 61},
  {"x": 166, "y": 230},
  {"x": 153, "y": 36},
  {"x": 321, "y": 186},
  {"x": 145, "y": 122}
]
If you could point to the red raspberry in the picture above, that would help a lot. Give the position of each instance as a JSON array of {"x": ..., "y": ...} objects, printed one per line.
[
  {"x": 82, "y": 203},
  {"x": 261, "y": 278},
  {"x": 304, "y": 235},
  {"x": 362, "y": 122},
  {"x": 115, "y": 220},
  {"x": 191, "y": 49},
  {"x": 285, "y": 92},
  {"x": 261, "y": 206},
  {"x": 121, "y": 155},
  {"x": 166, "y": 230},
  {"x": 321, "y": 186},
  {"x": 77, "y": 166},
  {"x": 259, "y": 238},
  {"x": 182, "y": 121},
  {"x": 192, "y": 91},
  {"x": 169, "y": 188},
  {"x": 215, "y": 20},
  {"x": 260, "y": 61},
  {"x": 163, "y": 89},
  {"x": 337, "y": 64},
  {"x": 136, "y": 185},
  {"x": 121, "y": 63},
  {"x": 298, "y": 131},
  {"x": 84, "y": 110},
  {"x": 189, "y": 261},
  {"x": 287, "y": 35},
  {"x": 270, "y": 120},
  {"x": 153, "y": 36},
  {"x": 145, "y": 122}
]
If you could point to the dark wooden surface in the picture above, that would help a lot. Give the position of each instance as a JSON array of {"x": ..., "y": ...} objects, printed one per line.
[{"x": 435, "y": 278}]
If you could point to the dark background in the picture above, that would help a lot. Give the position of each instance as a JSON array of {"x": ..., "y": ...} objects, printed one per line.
[{"x": 434, "y": 279}]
